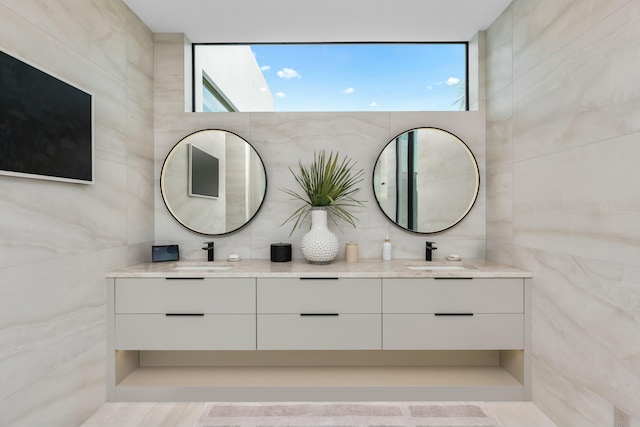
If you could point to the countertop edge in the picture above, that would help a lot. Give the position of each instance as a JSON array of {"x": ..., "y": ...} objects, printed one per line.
[{"x": 367, "y": 268}]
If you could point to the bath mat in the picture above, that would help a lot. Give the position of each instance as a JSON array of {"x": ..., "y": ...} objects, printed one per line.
[{"x": 344, "y": 414}]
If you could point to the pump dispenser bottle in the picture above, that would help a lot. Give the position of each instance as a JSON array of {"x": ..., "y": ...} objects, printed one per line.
[{"x": 386, "y": 250}]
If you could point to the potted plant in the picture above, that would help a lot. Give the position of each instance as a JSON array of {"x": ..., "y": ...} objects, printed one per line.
[{"x": 328, "y": 187}]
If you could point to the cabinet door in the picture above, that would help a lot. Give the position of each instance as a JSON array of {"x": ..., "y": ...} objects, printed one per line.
[
  {"x": 453, "y": 332},
  {"x": 185, "y": 332},
  {"x": 295, "y": 295},
  {"x": 319, "y": 332},
  {"x": 430, "y": 295},
  {"x": 166, "y": 295}
]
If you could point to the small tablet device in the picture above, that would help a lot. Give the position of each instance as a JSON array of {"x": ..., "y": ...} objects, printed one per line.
[{"x": 165, "y": 253}]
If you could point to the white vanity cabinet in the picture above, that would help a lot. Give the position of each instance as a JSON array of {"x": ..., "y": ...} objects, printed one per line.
[
  {"x": 184, "y": 314},
  {"x": 318, "y": 314},
  {"x": 453, "y": 313},
  {"x": 369, "y": 331}
]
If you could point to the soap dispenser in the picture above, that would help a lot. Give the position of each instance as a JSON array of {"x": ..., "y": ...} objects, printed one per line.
[{"x": 386, "y": 250}]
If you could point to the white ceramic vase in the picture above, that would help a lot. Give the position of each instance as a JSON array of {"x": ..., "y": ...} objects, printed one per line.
[{"x": 319, "y": 245}]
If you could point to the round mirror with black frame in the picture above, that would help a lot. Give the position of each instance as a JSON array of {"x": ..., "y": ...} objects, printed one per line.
[
  {"x": 426, "y": 180},
  {"x": 213, "y": 182}
]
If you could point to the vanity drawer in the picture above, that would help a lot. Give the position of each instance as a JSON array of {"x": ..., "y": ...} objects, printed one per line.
[
  {"x": 429, "y": 295},
  {"x": 295, "y": 295},
  {"x": 319, "y": 332},
  {"x": 453, "y": 332},
  {"x": 199, "y": 295},
  {"x": 185, "y": 332}
]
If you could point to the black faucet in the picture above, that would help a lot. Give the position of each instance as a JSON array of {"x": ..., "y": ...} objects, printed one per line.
[
  {"x": 209, "y": 249},
  {"x": 429, "y": 250}
]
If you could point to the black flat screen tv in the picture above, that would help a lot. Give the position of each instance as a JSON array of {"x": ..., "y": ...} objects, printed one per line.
[
  {"x": 203, "y": 173},
  {"x": 46, "y": 125}
]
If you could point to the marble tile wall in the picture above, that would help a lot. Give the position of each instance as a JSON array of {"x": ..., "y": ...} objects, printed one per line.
[
  {"x": 283, "y": 138},
  {"x": 563, "y": 194},
  {"x": 57, "y": 240}
]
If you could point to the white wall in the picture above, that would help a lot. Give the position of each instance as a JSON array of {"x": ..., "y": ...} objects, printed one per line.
[
  {"x": 57, "y": 240},
  {"x": 283, "y": 138},
  {"x": 563, "y": 194},
  {"x": 235, "y": 71}
]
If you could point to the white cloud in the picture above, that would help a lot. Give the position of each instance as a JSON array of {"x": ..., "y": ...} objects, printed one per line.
[
  {"x": 429, "y": 87},
  {"x": 288, "y": 73},
  {"x": 281, "y": 94},
  {"x": 452, "y": 81},
  {"x": 265, "y": 68},
  {"x": 348, "y": 91},
  {"x": 373, "y": 104}
]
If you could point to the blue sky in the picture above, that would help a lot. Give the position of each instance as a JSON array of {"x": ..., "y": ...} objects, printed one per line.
[{"x": 362, "y": 77}]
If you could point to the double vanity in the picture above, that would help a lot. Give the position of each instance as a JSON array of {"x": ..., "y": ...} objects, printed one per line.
[
  {"x": 294, "y": 331},
  {"x": 370, "y": 330}
]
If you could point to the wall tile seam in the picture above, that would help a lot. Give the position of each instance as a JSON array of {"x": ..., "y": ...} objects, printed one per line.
[
  {"x": 133, "y": 63},
  {"x": 493, "y": 165},
  {"x": 137, "y": 22},
  {"x": 495, "y": 93},
  {"x": 38, "y": 262},
  {"x": 118, "y": 76},
  {"x": 596, "y": 341},
  {"x": 165, "y": 112},
  {"x": 66, "y": 255},
  {"x": 609, "y": 261},
  {"x": 59, "y": 316},
  {"x": 493, "y": 90},
  {"x": 46, "y": 375},
  {"x": 581, "y": 260},
  {"x": 565, "y": 150},
  {"x": 559, "y": 48},
  {"x": 129, "y": 159},
  {"x": 51, "y": 369},
  {"x": 489, "y": 48},
  {"x": 505, "y": 114}
]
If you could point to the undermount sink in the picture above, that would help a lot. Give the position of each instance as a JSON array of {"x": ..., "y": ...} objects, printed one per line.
[
  {"x": 425, "y": 267},
  {"x": 202, "y": 267}
]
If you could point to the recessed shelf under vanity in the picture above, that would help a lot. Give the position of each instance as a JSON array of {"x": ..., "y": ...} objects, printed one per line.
[{"x": 304, "y": 332}]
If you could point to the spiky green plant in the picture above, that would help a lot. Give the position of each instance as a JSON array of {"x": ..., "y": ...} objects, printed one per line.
[
  {"x": 461, "y": 95},
  {"x": 326, "y": 182}
]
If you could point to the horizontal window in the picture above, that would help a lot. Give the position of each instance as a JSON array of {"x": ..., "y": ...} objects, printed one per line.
[{"x": 330, "y": 77}]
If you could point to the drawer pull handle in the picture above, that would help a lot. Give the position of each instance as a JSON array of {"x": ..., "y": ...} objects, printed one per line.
[
  {"x": 453, "y": 278},
  {"x": 319, "y": 278},
  {"x": 453, "y": 314},
  {"x": 184, "y": 278},
  {"x": 319, "y": 314},
  {"x": 185, "y": 314}
]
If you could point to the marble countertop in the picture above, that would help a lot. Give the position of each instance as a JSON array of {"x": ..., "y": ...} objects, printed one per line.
[{"x": 301, "y": 268}]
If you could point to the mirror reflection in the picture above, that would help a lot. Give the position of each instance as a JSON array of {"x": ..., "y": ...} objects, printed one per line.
[
  {"x": 426, "y": 180},
  {"x": 213, "y": 182}
]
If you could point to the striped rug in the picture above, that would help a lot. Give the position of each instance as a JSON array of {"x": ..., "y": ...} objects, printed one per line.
[{"x": 344, "y": 414}]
